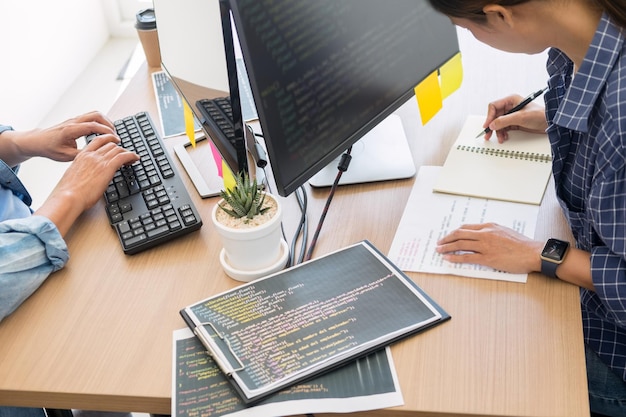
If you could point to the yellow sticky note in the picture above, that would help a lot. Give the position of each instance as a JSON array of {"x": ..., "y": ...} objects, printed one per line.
[
  {"x": 428, "y": 95},
  {"x": 189, "y": 124},
  {"x": 451, "y": 75},
  {"x": 228, "y": 177}
]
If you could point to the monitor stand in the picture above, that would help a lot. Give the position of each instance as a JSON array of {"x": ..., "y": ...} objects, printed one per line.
[
  {"x": 382, "y": 154},
  {"x": 199, "y": 164},
  {"x": 208, "y": 182}
]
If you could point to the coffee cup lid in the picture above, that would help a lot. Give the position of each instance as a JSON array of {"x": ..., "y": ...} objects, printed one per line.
[{"x": 146, "y": 19}]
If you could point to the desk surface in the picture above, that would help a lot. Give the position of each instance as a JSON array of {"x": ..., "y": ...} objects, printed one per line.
[{"x": 98, "y": 334}]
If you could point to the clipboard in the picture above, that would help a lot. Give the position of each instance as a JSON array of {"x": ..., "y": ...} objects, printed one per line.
[{"x": 309, "y": 319}]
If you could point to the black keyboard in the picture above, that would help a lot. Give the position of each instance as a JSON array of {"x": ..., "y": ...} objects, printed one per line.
[{"x": 147, "y": 203}]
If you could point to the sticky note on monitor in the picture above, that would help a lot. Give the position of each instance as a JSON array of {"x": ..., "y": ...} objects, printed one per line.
[
  {"x": 451, "y": 75},
  {"x": 437, "y": 86},
  {"x": 428, "y": 95},
  {"x": 189, "y": 123}
]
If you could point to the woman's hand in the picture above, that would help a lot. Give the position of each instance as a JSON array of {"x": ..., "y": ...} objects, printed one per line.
[
  {"x": 531, "y": 118},
  {"x": 491, "y": 245},
  {"x": 57, "y": 142},
  {"x": 85, "y": 180}
]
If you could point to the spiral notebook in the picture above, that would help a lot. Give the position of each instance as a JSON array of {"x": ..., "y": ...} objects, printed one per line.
[{"x": 517, "y": 170}]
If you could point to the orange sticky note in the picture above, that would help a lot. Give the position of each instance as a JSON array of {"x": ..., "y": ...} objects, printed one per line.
[
  {"x": 451, "y": 75},
  {"x": 428, "y": 95},
  {"x": 189, "y": 124}
]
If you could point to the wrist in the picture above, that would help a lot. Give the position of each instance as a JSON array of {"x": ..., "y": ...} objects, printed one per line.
[
  {"x": 552, "y": 255},
  {"x": 14, "y": 147},
  {"x": 62, "y": 207}
]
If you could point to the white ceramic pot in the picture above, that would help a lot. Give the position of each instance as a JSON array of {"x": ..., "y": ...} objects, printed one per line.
[{"x": 249, "y": 253}]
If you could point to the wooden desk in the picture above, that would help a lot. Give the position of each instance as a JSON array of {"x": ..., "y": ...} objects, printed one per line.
[{"x": 98, "y": 334}]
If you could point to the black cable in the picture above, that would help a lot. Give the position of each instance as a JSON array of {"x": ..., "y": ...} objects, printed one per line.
[
  {"x": 302, "y": 228},
  {"x": 292, "y": 247},
  {"x": 342, "y": 167},
  {"x": 303, "y": 225}
]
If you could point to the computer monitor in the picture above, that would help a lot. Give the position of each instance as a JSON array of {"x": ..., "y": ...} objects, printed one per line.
[
  {"x": 198, "y": 54},
  {"x": 326, "y": 72}
]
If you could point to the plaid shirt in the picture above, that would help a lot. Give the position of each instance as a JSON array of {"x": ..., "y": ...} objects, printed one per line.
[{"x": 586, "y": 115}]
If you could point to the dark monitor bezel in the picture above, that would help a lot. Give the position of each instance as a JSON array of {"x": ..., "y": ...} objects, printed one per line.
[
  {"x": 241, "y": 163},
  {"x": 287, "y": 186}
]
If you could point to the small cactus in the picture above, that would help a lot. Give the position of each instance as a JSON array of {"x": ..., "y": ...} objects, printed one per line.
[{"x": 245, "y": 198}]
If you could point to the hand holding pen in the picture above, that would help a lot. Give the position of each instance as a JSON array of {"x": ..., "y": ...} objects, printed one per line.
[{"x": 518, "y": 107}]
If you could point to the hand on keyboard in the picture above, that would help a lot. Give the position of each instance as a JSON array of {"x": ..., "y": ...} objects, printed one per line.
[
  {"x": 147, "y": 203},
  {"x": 85, "y": 180},
  {"x": 102, "y": 157}
]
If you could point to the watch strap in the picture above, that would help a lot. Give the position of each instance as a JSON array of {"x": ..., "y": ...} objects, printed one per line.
[{"x": 549, "y": 268}]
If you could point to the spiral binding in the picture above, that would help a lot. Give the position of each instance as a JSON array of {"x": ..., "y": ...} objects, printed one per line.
[{"x": 506, "y": 153}]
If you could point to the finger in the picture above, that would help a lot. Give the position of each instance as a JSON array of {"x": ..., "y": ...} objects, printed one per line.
[
  {"x": 117, "y": 155},
  {"x": 125, "y": 158},
  {"x": 464, "y": 232},
  {"x": 492, "y": 113},
  {"x": 92, "y": 127},
  {"x": 463, "y": 257},
  {"x": 499, "y": 107},
  {"x": 459, "y": 247},
  {"x": 101, "y": 140},
  {"x": 502, "y": 135},
  {"x": 95, "y": 116},
  {"x": 75, "y": 131}
]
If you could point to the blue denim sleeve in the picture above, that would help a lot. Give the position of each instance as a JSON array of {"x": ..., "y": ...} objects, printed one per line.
[{"x": 30, "y": 250}]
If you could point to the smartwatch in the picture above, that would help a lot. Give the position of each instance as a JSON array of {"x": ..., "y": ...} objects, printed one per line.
[{"x": 552, "y": 256}]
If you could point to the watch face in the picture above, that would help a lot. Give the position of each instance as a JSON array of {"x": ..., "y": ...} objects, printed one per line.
[{"x": 555, "y": 249}]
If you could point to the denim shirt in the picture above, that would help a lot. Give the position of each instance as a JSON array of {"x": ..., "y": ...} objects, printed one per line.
[{"x": 31, "y": 247}]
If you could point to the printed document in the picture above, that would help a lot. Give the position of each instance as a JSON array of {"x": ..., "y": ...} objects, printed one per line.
[
  {"x": 429, "y": 216},
  {"x": 200, "y": 389}
]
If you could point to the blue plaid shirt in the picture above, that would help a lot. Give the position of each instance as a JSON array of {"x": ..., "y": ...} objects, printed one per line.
[
  {"x": 586, "y": 115},
  {"x": 31, "y": 247}
]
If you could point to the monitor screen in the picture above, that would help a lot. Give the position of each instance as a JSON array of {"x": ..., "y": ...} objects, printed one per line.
[{"x": 325, "y": 72}]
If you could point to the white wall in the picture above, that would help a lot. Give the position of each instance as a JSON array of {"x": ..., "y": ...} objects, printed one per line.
[
  {"x": 45, "y": 45},
  {"x": 488, "y": 74}
]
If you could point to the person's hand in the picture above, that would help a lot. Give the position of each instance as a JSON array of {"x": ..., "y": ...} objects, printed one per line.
[
  {"x": 531, "y": 118},
  {"x": 491, "y": 245},
  {"x": 59, "y": 142},
  {"x": 85, "y": 180},
  {"x": 93, "y": 168}
]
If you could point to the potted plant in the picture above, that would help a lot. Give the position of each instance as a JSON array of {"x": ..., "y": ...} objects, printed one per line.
[{"x": 248, "y": 221}]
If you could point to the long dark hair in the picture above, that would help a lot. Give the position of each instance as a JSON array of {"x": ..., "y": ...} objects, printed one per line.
[
  {"x": 616, "y": 9},
  {"x": 473, "y": 9}
]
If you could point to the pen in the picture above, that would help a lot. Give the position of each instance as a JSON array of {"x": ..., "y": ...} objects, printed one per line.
[{"x": 519, "y": 107}]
